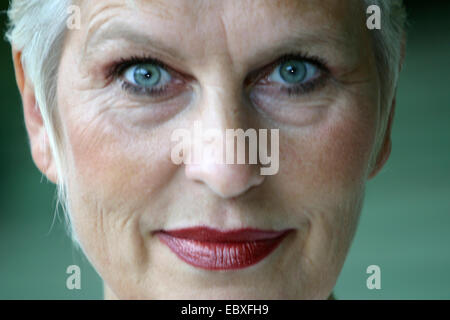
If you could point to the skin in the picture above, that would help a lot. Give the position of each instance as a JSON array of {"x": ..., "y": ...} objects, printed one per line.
[{"x": 123, "y": 185}]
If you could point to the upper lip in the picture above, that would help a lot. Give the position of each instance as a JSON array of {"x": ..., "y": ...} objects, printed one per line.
[{"x": 207, "y": 234}]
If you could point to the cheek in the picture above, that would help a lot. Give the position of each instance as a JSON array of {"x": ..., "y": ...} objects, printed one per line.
[
  {"x": 121, "y": 168},
  {"x": 322, "y": 174},
  {"x": 332, "y": 157},
  {"x": 343, "y": 151},
  {"x": 115, "y": 177}
]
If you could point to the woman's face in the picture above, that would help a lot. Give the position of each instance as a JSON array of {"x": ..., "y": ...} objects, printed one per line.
[{"x": 135, "y": 72}]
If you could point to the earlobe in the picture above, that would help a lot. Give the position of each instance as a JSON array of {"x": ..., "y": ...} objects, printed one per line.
[
  {"x": 382, "y": 158},
  {"x": 37, "y": 134}
]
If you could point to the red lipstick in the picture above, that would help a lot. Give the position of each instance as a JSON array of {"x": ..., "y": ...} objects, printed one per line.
[{"x": 213, "y": 249}]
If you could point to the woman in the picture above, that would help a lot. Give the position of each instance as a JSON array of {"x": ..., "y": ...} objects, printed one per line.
[{"x": 103, "y": 97}]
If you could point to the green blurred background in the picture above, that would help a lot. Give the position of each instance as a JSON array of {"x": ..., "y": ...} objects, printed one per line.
[{"x": 404, "y": 227}]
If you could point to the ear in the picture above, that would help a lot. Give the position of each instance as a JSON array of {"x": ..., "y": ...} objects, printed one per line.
[
  {"x": 39, "y": 143},
  {"x": 385, "y": 151}
]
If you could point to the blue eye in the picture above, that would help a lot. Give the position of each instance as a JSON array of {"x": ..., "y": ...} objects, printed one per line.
[
  {"x": 294, "y": 72},
  {"x": 147, "y": 75}
]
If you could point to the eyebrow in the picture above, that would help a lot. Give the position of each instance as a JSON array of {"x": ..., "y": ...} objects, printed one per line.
[
  {"x": 297, "y": 40},
  {"x": 304, "y": 40},
  {"x": 125, "y": 32}
]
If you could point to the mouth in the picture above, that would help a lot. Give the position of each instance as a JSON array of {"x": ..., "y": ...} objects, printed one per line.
[{"x": 212, "y": 249}]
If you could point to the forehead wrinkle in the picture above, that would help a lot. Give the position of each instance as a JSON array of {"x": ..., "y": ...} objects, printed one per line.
[
  {"x": 96, "y": 19},
  {"x": 223, "y": 29},
  {"x": 301, "y": 26},
  {"x": 127, "y": 33},
  {"x": 228, "y": 27},
  {"x": 108, "y": 10},
  {"x": 160, "y": 8}
]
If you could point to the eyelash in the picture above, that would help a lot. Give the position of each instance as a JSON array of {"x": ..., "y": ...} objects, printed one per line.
[
  {"x": 304, "y": 88},
  {"x": 118, "y": 68}
]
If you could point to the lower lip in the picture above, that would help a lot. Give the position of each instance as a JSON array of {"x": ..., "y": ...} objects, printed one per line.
[{"x": 216, "y": 253}]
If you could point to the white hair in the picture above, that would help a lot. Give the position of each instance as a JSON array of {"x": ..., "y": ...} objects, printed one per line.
[
  {"x": 37, "y": 28},
  {"x": 388, "y": 44}
]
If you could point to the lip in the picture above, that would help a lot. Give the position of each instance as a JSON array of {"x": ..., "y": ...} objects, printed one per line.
[{"x": 213, "y": 249}]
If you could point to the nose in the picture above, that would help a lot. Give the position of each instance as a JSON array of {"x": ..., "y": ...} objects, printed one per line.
[
  {"x": 225, "y": 180},
  {"x": 221, "y": 112}
]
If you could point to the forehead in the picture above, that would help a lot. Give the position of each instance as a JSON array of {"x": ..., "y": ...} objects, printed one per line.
[{"x": 239, "y": 22}]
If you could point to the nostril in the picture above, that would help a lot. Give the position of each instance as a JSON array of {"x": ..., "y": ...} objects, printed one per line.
[
  {"x": 241, "y": 186},
  {"x": 234, "y": 188},
  {"x": 227, "y": 181}
]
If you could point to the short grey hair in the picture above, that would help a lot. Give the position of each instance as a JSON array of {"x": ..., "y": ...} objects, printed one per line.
[
  {"x": 389, "y": 45},
  {"x": 37, "y": 28}
]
